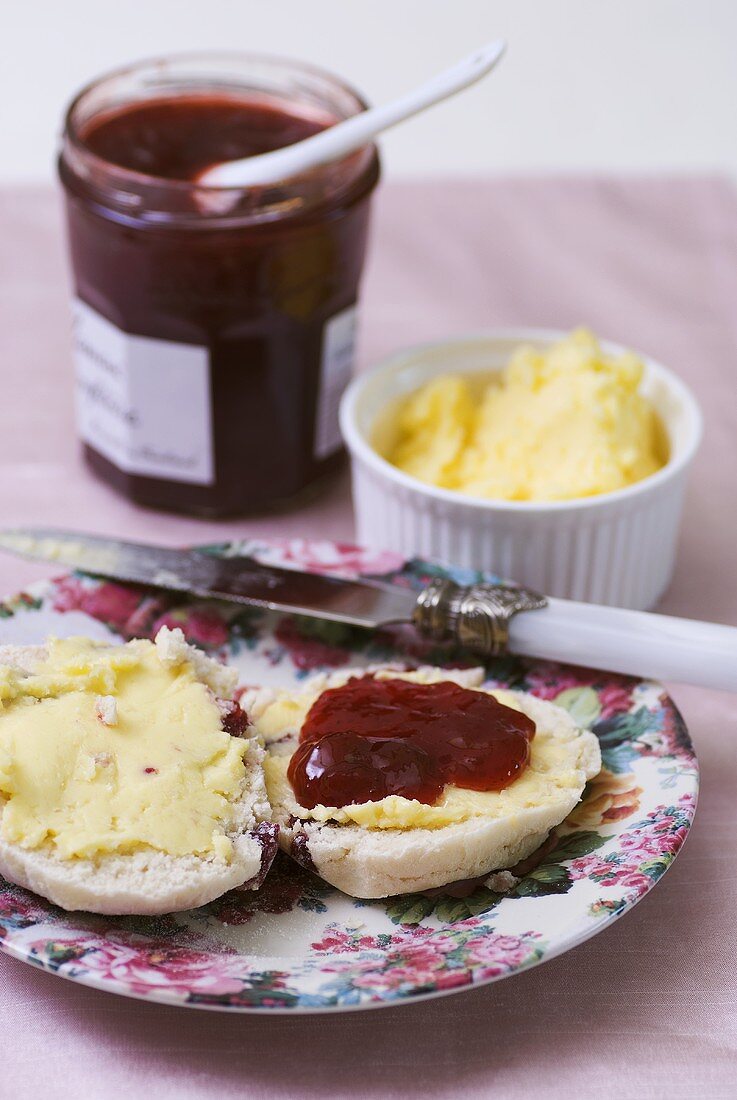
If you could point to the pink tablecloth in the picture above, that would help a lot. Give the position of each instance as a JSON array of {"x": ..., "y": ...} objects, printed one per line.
[{"x": 649, "y": 1008}]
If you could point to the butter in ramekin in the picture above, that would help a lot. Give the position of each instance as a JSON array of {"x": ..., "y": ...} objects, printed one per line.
[{"x": 557, "y": 423}]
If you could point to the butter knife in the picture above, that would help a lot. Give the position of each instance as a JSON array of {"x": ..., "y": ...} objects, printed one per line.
[{"x": 488, "y": 619}]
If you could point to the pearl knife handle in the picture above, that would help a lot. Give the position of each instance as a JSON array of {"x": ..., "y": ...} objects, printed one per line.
[{"x": 491, "y": 619}]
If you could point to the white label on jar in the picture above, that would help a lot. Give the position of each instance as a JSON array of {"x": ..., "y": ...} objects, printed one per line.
[
  {"x": 144, "y": 404},
  {"x": 336, "y": 367}
]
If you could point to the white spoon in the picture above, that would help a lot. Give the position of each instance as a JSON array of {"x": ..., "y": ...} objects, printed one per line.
[{"x": 345, "y": 137}]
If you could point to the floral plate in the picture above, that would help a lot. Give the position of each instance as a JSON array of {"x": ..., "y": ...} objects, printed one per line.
[{"x": 298, "y": 945}]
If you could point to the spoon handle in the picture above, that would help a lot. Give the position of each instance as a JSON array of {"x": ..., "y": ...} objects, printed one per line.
[{"x": 345, "y": 137}]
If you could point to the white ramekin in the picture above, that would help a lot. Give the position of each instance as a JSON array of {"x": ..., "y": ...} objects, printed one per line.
[{"x": 617, "y": 548}]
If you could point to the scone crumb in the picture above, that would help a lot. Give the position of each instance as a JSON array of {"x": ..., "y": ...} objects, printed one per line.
[
  {"x": 255, "y": 700},
  {"x": 501, "y": 882},
  {"x": 173, "y": 648},
  {"x": 106, "y": 709}
]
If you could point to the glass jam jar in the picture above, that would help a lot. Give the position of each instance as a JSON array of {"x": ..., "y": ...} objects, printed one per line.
[{"x": 213, "y": 328}]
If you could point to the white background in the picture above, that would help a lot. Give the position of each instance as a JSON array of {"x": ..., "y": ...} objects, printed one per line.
[{"x": 586, "y": 85}]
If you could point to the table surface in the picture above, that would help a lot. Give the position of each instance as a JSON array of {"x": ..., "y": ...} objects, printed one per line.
[{"x": 648, "y": 1008}]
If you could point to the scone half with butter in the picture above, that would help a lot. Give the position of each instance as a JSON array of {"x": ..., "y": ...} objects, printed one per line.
[
  {"x": 389, "y": 844},
  {"x": 130, "y": 780}
]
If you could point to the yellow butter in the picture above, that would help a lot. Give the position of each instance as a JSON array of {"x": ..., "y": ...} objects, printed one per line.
[
  {"x": 162, "y": 777},
  {"x": 557, "y": 424}
]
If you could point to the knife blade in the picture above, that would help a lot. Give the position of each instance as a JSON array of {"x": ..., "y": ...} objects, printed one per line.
[
  {"x": 636, "y": 643},
  {"x": 237, "y": 579}
]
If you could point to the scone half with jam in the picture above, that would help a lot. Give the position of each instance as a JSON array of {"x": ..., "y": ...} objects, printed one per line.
[
  {"x": 130, "y": 780},
  {"x": 391, "y": 782}
]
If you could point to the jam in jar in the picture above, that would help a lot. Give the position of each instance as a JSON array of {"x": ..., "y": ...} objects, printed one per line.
[{"x": 213, "y": 328}]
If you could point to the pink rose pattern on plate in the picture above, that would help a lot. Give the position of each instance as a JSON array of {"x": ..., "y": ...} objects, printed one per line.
[
  {"x": 614, "y": 847},
  {"x": 421, "y": 959}
]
